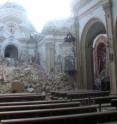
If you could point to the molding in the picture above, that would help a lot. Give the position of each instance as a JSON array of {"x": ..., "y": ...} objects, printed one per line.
[
  {"x": 98, "y": 36},
  {"x": 78, "y": 4},
  {"x": 82, "y": 13},
  {"x": 107, "y": 5}
]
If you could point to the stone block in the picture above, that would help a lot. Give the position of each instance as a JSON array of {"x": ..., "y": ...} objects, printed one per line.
[{"x": 17, "y": 87}]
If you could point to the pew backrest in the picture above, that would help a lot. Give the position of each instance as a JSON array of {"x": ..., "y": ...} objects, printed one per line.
[
  {"x": 9, "y": 98},
  {"x": 39, "y": 106},
  {"x": 47, "y": 112},
  {"x": 92, "y": 118},
  {"x": 36, "y": 102},
  {"x": 114, "y": 103}
]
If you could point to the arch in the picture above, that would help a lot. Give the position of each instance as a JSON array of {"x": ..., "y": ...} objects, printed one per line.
[
  {"x": 11, "y": 51},
  {"x": 99, "y": 53},
  {"x": 95, "y": 43},
  {"x": 12, "y": 42},
  {"x": 92, "y": 29}
]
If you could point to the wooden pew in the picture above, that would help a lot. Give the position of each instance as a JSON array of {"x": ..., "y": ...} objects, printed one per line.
[
  {"x": 87, "y": 94},
  {"x": 64, "y": 94},
  {"x": 38, "y": 106},
  {"x": 47, "y": 112},
  {"x": 114, "y": 103},
  {"x": 82, "y": 102},
  {"x": 89, "y": 118},
  {"x": 79, "y": 94},
  {"x": 36, "y": 102},
  {"x": 9, "y": 98},
  {"x": 102, "y": 100},
  {"x": 18, "y": 94}
]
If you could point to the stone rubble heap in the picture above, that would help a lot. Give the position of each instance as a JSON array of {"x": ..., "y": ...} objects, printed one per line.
[
  {"x": 5, "y": 88},
  {"x": 61, "y": 82},
  {"x": 25, "y": 77}
]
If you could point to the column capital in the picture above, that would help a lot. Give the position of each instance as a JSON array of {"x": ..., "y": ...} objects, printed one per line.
[{"x": 107, "y": 6}]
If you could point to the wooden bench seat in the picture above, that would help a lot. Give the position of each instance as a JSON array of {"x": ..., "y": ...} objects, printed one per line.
[
  {"x": 80, "y": 94},
  {"x": 39, "y": 106},
  {"x": 87, "y": 94},
  {"x": 89, "y": 118},
  {"x": 19, "y": 94},
  {"x": 114, "y": 103},
  {"x": 102, "y": 100},
  {"x": 35, "y": 102},
  {"x": 9, "y": 98},
  {"x": 83, "y": 101},
  {"x": 47, "y": 112}
]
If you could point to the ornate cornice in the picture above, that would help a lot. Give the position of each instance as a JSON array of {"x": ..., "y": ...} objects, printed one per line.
[
  {"x": 107, "y": 7},
  {"x": 90, "y": 7}
]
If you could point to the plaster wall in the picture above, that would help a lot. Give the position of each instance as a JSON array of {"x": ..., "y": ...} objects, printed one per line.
[{"x": 98, "y": 13}]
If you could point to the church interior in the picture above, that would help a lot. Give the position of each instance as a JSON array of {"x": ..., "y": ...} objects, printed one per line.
[{"x": 64, "y": 74}]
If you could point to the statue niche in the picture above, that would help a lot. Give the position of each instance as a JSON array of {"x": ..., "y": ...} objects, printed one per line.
[{"x": 101, "y": 73}]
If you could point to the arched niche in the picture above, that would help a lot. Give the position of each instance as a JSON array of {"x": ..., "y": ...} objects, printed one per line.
[
  {"x": 92, "y": 29},
  {"x": 11, "y": 51},
  {"x": 100, "y": 53}
]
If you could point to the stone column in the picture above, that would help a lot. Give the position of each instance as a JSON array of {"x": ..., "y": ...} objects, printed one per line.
[{"x": 107, "y": 7}]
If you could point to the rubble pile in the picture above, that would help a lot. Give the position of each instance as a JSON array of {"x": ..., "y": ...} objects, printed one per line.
[
  {"x": 25, "y": 77},
  {"x": 61, "y": 82},
  {"x": 5, "y": 88},
  {"x": 31, "y": 76}
]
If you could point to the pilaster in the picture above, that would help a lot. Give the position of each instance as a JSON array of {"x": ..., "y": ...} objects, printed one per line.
[
  {"x": 107, "y": 7},
  {"x": 78, "y": 58}
]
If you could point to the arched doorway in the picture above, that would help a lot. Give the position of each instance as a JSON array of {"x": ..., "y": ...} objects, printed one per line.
[
  {"x": 93, "y": 28},
  {"x": 11, "y": 51}
]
